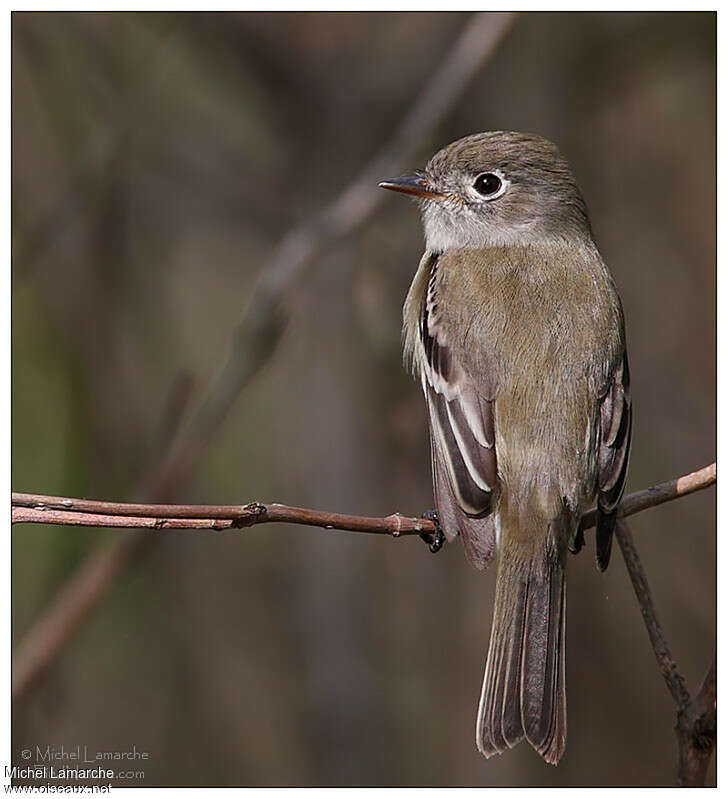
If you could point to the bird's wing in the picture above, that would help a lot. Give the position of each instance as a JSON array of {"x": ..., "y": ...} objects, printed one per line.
[
  {"x": 462, "y": 437},
  {"x": 615, "y": 436}
]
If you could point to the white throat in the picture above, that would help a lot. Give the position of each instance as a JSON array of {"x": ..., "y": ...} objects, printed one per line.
[
  {"x": 452, "y": 226},
  {"x": 448, "y": 227}
]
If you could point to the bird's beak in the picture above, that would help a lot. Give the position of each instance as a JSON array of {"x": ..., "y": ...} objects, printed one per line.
[{"x": 417, "y": 185}]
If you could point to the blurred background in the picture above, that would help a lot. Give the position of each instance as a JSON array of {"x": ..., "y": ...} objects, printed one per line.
[{"x": 157, "y": 159}]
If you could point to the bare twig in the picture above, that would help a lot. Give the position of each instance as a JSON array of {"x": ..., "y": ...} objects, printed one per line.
[
  {"x": 175, "y": 410},
  {"x": 259, "y": 332},
  {"x": 696, "y": 732},
  {"x": 662, "y": 492},
  {"x": 94, "y": 513},
  {"x": 673, "y": 679},
  {"x": 243, "y": 516},
  {"x": 696, "y": 726}
]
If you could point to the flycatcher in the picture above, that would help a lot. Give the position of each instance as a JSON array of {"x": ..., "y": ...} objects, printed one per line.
[{"x": 514, "y": 328}]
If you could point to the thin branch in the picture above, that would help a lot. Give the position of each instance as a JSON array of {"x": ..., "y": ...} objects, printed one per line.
[
  {"x": 696, "y": 727},
  {"x": 218, "y": 517},
  {"x": 673, "y": 679},
  {"x": 259, "y": 332},
  {"x": 662, "y": 492},
  {"x": 697, "y": 731},
  {"x": 94, "y": 513}
]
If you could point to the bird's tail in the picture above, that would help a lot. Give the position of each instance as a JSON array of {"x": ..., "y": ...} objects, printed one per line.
[{"x": 524, "y": 684}]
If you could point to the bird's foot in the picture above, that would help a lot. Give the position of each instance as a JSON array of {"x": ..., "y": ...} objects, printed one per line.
[
  {"x": 434, "y": 540},
  {"x": 578, "y": 541}
]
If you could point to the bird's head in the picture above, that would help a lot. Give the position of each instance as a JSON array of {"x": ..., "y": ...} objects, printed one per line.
[{"x": 496, "y": 189}]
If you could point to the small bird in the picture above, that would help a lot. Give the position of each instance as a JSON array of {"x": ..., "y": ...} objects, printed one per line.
[{"x": 515, "y": 330}]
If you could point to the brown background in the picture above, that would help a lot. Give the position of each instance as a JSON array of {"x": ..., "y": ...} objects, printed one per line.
[{"x": 157, "y": 159}]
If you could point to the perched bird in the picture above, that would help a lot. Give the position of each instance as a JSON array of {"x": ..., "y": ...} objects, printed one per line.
[{"x": 514, "y": 327}]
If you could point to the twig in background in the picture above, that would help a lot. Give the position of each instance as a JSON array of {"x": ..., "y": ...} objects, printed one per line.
[
  {"x": 70, "y": 607},
  {"x": 257, "y": 336},
  {"x": 263, "y": 321},
  {"x": 175, "y": 410}
]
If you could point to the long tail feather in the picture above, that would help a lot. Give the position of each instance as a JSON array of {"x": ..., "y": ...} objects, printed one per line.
[{"x": 524, "y": 685}]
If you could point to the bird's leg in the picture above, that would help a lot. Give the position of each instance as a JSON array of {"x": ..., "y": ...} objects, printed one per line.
[
  {"x": 578, "y": 541},
  {"x": 434, "y": 540}
]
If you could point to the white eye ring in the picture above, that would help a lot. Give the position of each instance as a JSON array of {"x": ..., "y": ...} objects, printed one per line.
[{"x": 484, "y": 178}]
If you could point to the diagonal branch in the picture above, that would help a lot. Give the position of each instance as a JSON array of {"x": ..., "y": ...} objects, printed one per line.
[
  {"x": 265, "y": 317},
  {"x": 696, "y": 727},
  {"x": 258, "y": 334},
  {"x": 673, "y": 679}
]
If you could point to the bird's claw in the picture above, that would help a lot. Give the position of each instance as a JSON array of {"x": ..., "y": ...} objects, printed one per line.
[
  {"x": 578, "y": 541},
  {"x": 434, "y": 540}
]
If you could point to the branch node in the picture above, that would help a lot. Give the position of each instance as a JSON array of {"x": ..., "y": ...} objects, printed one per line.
[{"x": 250, "y": 514}]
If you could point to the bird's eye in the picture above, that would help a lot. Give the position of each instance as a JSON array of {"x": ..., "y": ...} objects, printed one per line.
[{"x": 489, "y": 185}]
